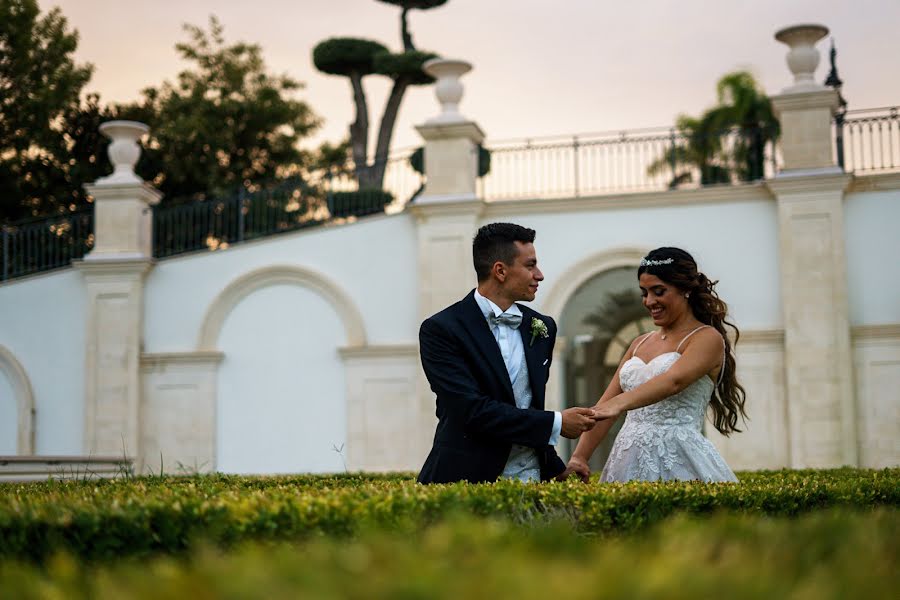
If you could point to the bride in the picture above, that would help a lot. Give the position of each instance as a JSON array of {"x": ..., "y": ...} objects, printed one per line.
[{"x": 666, "y": 381}]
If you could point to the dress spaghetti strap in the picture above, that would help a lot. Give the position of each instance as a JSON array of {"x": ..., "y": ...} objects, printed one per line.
[
  {"x": 643, "y": 339},
  {"x": 684, "y": 339}
]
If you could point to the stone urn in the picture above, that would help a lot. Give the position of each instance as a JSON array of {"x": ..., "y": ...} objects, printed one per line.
[
  {"x": 448, "y": 89},
  {"x": 124, "y": 150},
  {"x": 802, "y": 58}
]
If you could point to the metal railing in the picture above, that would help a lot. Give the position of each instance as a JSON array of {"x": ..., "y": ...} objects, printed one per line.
[
  {"x": 551, "y": 167},
  {"x": 869, "y": 140},
  {"x": 604, "y": 163},
  {"x": 400, "y": 179},
  {"x": 217, "y": 223},
  {"x": 44, "y": 244}
]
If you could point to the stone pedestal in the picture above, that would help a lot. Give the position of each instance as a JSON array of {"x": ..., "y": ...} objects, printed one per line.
[
  {"x": 806, "y": 135},
  {"x": 451, "y": 161}
]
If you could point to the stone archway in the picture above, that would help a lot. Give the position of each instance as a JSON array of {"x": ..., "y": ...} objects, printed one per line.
[
  {"x": 279, "y": 392},
  {"x": 245, "y": 285},
  {"x": 597, "y": 306},
  {"x": 24, "y": 396}
]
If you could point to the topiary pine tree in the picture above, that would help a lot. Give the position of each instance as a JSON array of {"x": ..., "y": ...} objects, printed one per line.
[
  {"x": 407, "y": 5},
  {"x": 356, "y": 58}
]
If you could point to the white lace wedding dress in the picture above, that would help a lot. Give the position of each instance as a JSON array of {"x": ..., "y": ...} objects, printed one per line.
[{"x": 663, "y": 441}]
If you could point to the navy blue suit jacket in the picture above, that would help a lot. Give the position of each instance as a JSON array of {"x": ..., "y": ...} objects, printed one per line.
[{"x": 478, "y": 420}]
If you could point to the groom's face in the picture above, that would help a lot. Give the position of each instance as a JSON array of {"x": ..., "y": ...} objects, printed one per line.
[{"x": 523, "y": 275}]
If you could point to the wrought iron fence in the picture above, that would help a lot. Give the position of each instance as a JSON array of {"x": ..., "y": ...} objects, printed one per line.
[
  {"x": 400, "y": 179},
  {"x": 627, "y": 161},
  {"x": 571, "y": 166},
  {"x": 868, "y": 140},
  {"x": 37, "y": 245},
  {"x": 217, "y": 223}
]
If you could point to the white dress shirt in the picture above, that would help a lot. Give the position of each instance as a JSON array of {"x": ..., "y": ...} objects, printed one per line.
[{"x": 512, "y": 349}]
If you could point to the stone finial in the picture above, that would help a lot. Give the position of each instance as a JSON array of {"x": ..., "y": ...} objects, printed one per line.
[
  {"x": 448, "y": 89},
  {"x": 124, "y": 150},
  {"x": 802, "y": 58}
]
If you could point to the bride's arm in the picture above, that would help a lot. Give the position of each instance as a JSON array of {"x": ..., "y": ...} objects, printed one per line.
[
  {"x": 589, "y": 440},
  {"x": 701, "y": 356}
]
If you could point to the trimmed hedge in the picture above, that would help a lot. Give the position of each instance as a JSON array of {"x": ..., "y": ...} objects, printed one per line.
[
  {"x": 832, "y": 554},
  {"x": 112, "y": 518}
]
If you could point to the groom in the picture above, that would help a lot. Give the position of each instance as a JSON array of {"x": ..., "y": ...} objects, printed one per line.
[{"x": 487, "y": 360}]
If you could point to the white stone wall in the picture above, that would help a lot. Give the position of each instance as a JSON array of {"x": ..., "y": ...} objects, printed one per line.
[
  {"x": 731, "y": 232},
  {"x": 298, "y": 352},
  {"x": 872, "y": 230},
  {"x": 374, "y": 262},
  {"x": 42, "y": 326},
  {"x": 280, "y": 391}
]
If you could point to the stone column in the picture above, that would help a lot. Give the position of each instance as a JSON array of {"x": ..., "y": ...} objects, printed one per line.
[
  {"x": 809, "y": 193},
  {"x": 449, "y": 209},
  {"x": 447, "y": 213},
  {"x": 114, "y": 274}
]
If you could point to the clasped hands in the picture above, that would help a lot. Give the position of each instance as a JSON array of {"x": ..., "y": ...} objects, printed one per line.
[{"x": 578, "y": 420}]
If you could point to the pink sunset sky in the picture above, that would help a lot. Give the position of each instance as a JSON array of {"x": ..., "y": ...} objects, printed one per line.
[{"x": 541, "y": 67}]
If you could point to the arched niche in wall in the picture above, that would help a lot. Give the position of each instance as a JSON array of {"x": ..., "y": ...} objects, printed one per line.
[
  {"x": 24, "y": 397},
  {"x": 245, "y": 285}
]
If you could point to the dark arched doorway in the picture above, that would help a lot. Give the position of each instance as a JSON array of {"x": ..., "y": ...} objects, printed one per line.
[{"x": 598, "y": 323}]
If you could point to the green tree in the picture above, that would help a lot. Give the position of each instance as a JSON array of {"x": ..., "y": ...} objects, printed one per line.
[
  {"x": 225, "y": 123},
  {"x": 357, "y": 58},
  {"x": 40, "y": 84},
  {"x": 727, "y": 142}
]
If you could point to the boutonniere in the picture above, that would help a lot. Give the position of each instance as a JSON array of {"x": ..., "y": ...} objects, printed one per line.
[{"x": 538, "y": 328}]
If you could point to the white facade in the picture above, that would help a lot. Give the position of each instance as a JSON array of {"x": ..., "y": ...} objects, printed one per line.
[{"x": 298, "y": 353}]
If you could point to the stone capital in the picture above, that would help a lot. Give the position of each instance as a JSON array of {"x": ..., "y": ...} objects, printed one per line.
[
  {"x": 466, "y": 207},
  {"x": 114, "y": 268},
  {"x": 826, "y": 98},
  {"x": 820, "y": 181},
  {"x": 467, "y": 130},
  {"x": 112, "y": 192}
]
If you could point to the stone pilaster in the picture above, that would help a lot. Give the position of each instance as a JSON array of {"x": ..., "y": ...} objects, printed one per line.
[
  {"x": 818, "y": 358},
  {"x": 115, "y": 294}
]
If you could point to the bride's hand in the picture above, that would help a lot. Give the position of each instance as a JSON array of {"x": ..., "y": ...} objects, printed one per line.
[
  {"x": 608, "y": 410},
  {"x": 577, "y": 466}
]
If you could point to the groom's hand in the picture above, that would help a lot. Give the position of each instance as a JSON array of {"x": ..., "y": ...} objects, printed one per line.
[
  {"x": 576, "y": 421},
  {"x": 578, "y": 467}
]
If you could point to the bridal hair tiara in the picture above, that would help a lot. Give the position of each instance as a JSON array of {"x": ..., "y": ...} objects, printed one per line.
[{"x": 655, "y": 263}]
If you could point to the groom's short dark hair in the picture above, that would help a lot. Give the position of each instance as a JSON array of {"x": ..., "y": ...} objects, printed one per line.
[{"x": 497, "y": 241}]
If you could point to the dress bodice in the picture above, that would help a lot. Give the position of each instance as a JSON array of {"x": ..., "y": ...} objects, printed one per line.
[
  {"x": 664, "y": 441},
  {"x": 686, "y": 408}
]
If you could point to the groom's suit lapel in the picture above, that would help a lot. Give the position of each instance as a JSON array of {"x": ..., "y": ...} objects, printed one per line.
[
  {"x": 477, "y": 326},
  {"x": 532, "y": 359}
]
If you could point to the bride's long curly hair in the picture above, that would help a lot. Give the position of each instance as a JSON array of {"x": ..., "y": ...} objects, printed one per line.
[{"x": 728, "y": 397}]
